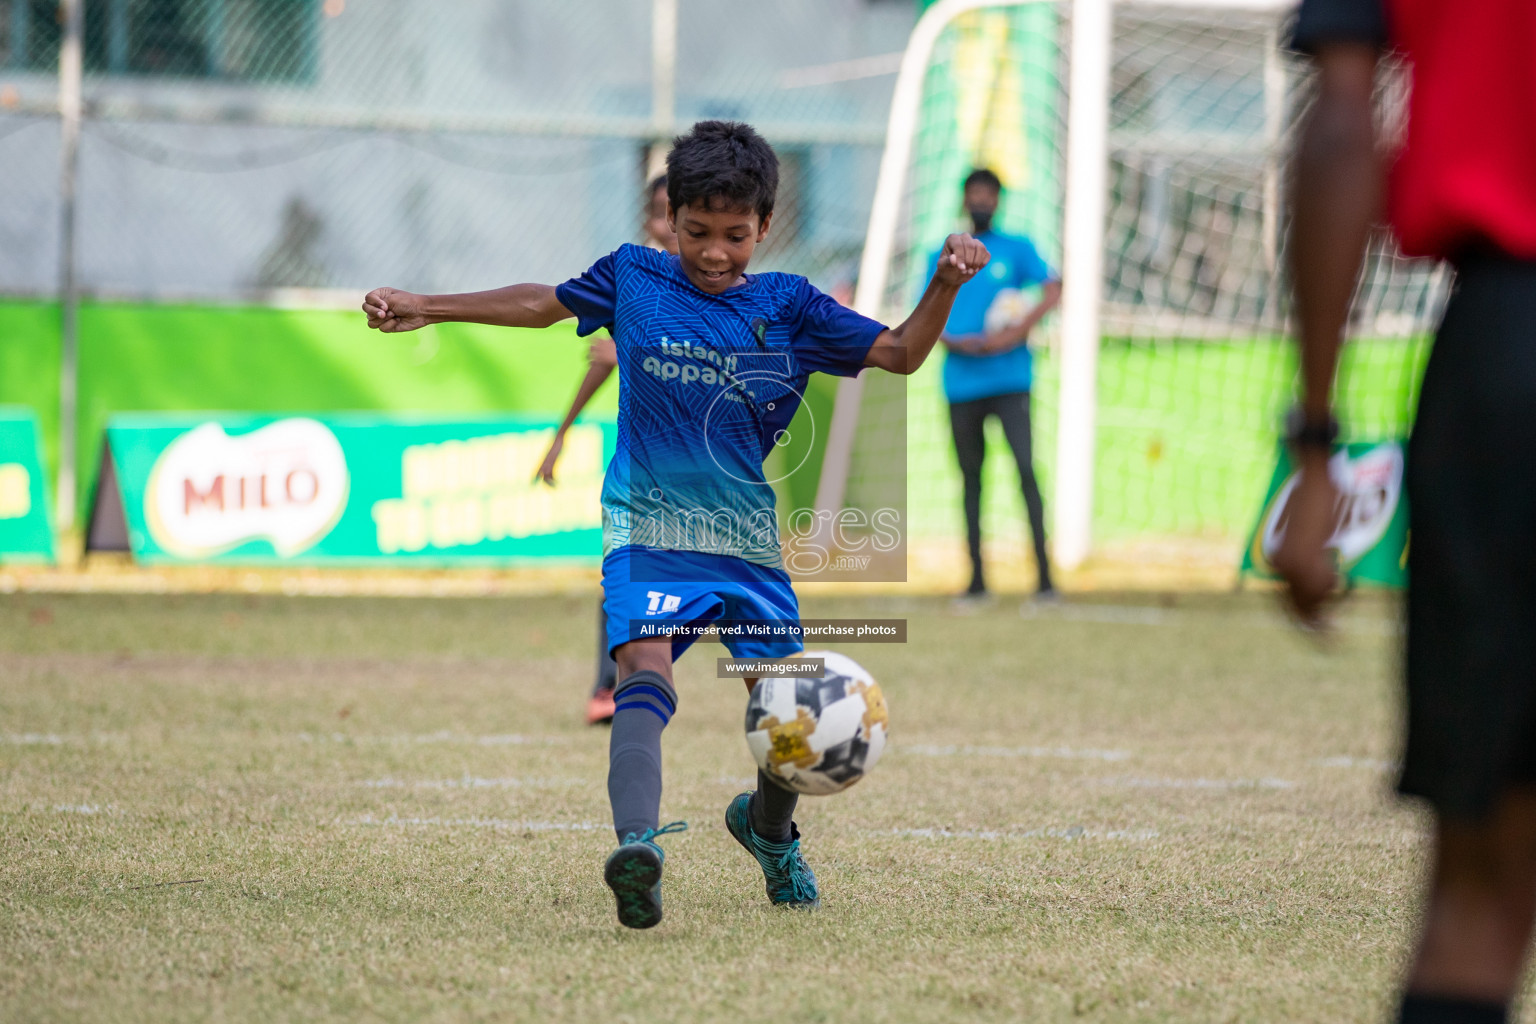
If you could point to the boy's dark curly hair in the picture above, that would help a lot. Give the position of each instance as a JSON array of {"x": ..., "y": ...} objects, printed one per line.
[{"x": 722, "y": 165}]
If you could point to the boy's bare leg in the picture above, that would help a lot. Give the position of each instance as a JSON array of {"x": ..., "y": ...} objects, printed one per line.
[
  {"x": 1482, "y": 899},
  {"x": 644, "y": 656}
]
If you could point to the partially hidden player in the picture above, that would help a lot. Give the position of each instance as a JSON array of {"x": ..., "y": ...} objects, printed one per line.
[
  {"x": 601, "y": 361},
  {"x": 1462, "y": 188},
  {"x": 712, "y": 363}
]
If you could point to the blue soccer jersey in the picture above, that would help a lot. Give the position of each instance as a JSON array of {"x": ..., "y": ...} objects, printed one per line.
[{"x": 707, "y": 386}]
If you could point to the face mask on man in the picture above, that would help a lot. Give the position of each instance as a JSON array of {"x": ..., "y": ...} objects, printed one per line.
[{"x": 981, "y": 219}]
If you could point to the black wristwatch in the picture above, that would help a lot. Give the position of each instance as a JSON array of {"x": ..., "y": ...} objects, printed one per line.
[{"x": 1303, "y": 432}]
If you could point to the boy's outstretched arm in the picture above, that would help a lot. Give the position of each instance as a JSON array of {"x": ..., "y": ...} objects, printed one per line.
[
  {"x": 520, "y": 305},
  {"x": 902, "y": 349}
]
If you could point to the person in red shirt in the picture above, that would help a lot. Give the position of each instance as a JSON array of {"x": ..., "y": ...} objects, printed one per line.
[{"x": 1462, "y": 188}]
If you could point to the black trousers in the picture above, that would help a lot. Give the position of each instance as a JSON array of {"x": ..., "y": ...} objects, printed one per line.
[
  {"x": 968, "y": 420},
  {"x": 1471, "y": 664}
]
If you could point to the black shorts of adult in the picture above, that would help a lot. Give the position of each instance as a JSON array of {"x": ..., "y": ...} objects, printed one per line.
[{"x": 1471, "y": 645}]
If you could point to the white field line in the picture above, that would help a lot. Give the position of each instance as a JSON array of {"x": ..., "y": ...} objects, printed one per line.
[
  {"x": 738, "y": 781},
  {"x": 1142, "y": 615},
  {"x": 1070, "y": 833},
  {"x": 443, "y": 736},
  {"x": 45, "y": 808},
  {"x": 1134, "y": 615},
  {"x": 1209, "y": 784},
  {"x": 1374, "y": 764},
  {"x": 53, "y": 739},
  {"x": 472, "y": 782},
  {"x": 1072, "y": 753},
  {"x": 396, "y": 821},
  {"x": 1363, "y": 627}
]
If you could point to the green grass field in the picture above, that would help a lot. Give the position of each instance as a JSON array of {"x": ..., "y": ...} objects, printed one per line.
[{"x": 270, "y": 809}]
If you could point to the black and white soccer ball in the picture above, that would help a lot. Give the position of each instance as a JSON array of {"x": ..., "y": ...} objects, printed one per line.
[{"x": 818, "y": 734}]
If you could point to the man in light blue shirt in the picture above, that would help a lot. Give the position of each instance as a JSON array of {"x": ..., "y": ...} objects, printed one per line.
[{"x": 988, "y": 368}]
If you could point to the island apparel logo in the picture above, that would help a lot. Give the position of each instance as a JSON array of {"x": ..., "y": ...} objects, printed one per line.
[
  {"x": 285, "y": 483},
  {"x": 1370, "y": 487}
]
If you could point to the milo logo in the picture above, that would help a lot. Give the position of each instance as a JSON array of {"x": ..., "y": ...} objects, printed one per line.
[
  {"x": 285, "y": 483},
  {"x": 1370, "y": 485}
]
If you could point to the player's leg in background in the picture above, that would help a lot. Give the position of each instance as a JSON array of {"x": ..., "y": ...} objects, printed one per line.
[
  {"x": 1477, "y": 921},
  {"x": 1013, "y": 411},
  {"x": 966, "y": 420},
  {"x": 644, "y": 702},
  {"x": 600, "y": 704},
  {"x": 607, "y": 668},
  {"x": 772, "y": 810}
]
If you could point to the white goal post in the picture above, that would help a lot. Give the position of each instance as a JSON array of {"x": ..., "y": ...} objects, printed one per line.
[{"x": 1083, "y": 230}]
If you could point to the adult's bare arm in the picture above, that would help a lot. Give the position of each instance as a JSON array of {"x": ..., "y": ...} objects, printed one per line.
[{"x": 1336, "y": 177}]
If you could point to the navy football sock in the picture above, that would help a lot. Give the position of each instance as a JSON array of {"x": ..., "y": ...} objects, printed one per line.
[
  {"x": 1417, "y": 1009},
  {"x": 643, "y": 705},
  {"x": 771, "y": 809}
]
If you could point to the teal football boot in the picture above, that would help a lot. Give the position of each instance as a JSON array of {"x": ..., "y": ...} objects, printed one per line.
[
  {"x": 791, "y": 882},
  {"x": 633, "y": 872}
]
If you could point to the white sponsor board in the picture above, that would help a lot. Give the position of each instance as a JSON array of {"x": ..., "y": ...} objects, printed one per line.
[{"x": 286, "y": 483}]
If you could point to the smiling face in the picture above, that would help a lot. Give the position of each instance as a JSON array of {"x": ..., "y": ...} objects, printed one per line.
[{"x": 715, "y": 245}]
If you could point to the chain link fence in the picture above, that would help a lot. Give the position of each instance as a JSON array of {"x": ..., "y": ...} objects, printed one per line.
[{"x": 238, "y": 146}]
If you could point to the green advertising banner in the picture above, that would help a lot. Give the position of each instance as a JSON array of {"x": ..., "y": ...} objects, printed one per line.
[
  {"x": 1370, "y": 533},
  {"x": 26, "y": 533},
  {"x": 357, "y": 489}
]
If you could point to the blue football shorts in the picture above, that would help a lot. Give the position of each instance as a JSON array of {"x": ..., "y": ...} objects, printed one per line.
[{"x": 649, "y": 592}]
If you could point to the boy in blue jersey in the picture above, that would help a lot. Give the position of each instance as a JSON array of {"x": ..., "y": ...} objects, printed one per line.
[
  {"x": 988, "y": 368},
  {"x": 712, "y": 363}
]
